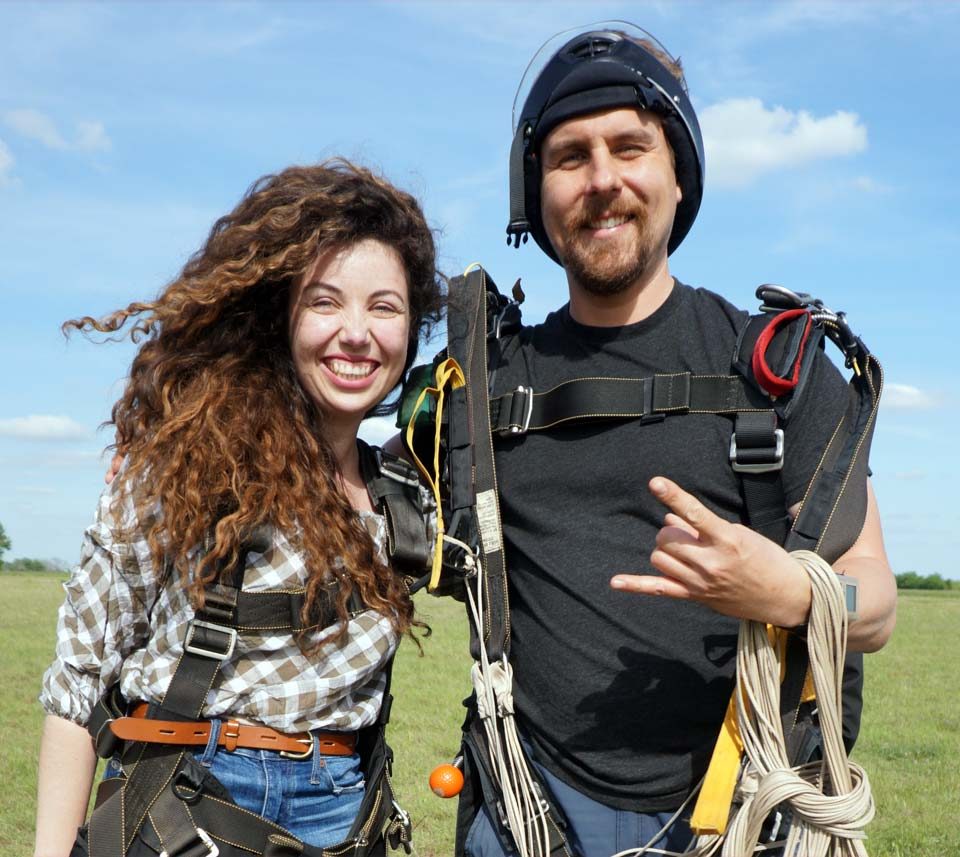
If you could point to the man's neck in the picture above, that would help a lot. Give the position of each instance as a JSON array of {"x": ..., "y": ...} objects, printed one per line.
[{"x": 639, "y": 301}]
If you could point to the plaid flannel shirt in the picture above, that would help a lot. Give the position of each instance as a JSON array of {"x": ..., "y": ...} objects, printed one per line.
[{"x": 118, "y": 624}]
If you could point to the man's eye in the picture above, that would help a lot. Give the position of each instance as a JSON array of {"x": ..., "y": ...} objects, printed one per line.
[{"x": 572, "y": 159}]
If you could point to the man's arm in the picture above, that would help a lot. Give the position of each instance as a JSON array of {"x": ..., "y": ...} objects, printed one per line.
[
  {"x": 740, "y": 573},
  {"x": 867, "y": 562}
]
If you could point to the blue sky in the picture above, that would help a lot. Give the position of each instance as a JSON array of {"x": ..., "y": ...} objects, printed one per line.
[{"x": 127, "y": 128}]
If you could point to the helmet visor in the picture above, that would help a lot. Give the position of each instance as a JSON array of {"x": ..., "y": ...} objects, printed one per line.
[{"x": 616, "y": 29}]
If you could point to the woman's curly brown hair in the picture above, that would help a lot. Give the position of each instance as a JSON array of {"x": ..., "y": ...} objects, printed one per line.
[{"x": 218, "y": 434}]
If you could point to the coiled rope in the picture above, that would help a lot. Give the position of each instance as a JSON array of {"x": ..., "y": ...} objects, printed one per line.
[{"x": 829, "y": 801}]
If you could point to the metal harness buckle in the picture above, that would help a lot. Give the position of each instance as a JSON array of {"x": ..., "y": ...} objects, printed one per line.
[
  {"x": 522, "y": 399},
  {"x": 196, "y": 649},
  {"x": 204, "y": 837},
  {"x": 774, "y": 463},
  {"x": 395, "y": 470}
]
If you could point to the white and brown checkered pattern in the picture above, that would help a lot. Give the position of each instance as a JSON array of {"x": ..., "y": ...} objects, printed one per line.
[{"x": 118, "y": 624}]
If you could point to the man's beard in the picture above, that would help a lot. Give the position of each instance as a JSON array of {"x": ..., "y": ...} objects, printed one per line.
[{"x": 610, "y": 268}]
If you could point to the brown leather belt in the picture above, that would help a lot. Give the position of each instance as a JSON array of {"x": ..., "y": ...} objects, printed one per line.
[{"x": 137, "y": 727}]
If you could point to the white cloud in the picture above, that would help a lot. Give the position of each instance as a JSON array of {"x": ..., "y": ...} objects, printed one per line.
[
  {"x": 869, "y": 185},
  {"x": 92, "y": 137},
  {"x": 744, "y": 139},
  {"x": 6, "y": 161},
  {"x": 43, "y": 427},
  {"x": 37, "y": 126},
  {"x": 905, "y": 397}
]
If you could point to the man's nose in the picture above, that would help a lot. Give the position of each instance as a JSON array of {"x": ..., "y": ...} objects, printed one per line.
[{"x": 603, "y": 176}]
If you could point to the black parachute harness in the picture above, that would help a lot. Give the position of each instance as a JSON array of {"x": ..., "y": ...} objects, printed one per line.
[
  {"x": 454, "y": 424},
  {"x": 164, "y": 802}
]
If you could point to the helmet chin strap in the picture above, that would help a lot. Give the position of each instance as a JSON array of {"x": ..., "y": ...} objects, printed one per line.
[{"x": 519, "y": 227}]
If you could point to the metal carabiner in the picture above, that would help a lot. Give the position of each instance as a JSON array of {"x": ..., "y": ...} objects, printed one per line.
[{"x": 777, "y": 298}]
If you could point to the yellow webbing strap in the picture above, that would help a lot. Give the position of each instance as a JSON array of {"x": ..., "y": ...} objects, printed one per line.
[
  {"x": 448, "y": 374},
  {"x": 712, "y": 812}
]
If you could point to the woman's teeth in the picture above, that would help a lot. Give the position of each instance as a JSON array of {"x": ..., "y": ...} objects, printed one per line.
[{"x": 347, "y": 369}]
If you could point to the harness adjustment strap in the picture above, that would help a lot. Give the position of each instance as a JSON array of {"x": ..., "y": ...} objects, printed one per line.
[
  {"x": 220, "y": 603},
  {"x": 209, "y": 640},
  {"x": 582, "y": 399},
  {"x": 756, "y": 445}
]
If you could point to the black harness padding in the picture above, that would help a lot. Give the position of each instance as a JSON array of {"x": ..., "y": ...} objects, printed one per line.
[
  {"x": 479, "y": 317},
  {"x": 467, "y": 344},
  {"x": 394, "y": 486},
  {"x": 830, "y": 520},
  {"x": 166, "y": 799}
]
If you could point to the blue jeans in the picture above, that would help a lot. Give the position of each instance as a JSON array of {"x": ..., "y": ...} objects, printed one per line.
[
  {"x": 316, "y": 799},
  {"x": 594, "y": 830}
]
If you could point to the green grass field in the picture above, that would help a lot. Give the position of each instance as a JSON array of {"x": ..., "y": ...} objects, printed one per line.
[{"x": 910, "y": 742}]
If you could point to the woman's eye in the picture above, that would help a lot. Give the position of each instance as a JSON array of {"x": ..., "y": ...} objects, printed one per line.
[
  {"x": 386, "y": 309},
  {"x": 321, "y": 303}
]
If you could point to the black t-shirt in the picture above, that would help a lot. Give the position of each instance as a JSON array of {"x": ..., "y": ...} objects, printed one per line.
[{"x": 622, "y": 696}]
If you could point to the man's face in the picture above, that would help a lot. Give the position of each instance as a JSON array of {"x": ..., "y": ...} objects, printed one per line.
[{"x": 608, "y": 197}]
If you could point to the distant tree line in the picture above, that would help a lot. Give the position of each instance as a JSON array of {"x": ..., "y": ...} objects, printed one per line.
[
  {"x": 913, "y": 580},
  {"x": 22, "y": 563},
  {"x": 26, "y": 564},
  {"x": 4, "y": 543}
]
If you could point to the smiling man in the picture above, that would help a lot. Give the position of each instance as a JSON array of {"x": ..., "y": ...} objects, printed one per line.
[{"x": 630, "y": 559}]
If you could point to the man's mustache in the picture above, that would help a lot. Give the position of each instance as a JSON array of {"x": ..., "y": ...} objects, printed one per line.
[{"x": 591, "y": 215}]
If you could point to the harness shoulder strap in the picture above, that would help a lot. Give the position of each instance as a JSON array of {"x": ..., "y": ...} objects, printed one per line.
[
  {"x": 394, "y": 486},
  {"x": 211, "y": 638},
  {"x": 775, "y": 352}
]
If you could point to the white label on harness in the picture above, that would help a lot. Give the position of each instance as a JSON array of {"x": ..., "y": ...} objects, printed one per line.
[{"x": 488, "y": 517}]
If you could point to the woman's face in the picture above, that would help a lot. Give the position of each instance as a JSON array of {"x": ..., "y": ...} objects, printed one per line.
[{"x": 349, "y": 329}]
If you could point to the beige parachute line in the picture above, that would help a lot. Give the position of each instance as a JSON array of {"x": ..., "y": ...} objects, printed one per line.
[
  {"x": 524, "y": 808},
  {"x": 829, "y": 801}
]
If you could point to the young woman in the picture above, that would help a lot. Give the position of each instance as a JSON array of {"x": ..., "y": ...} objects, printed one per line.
[{"x": 296, "y": 319}]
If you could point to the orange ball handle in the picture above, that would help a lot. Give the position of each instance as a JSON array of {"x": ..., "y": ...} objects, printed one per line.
[{"x": 446, "y": 781}]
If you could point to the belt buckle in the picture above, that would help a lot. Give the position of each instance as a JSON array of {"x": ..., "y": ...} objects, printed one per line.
[{"x": 306, "y": 754}]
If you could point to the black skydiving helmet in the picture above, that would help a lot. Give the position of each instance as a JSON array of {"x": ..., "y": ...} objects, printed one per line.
[{"x": 600, "y": 67}]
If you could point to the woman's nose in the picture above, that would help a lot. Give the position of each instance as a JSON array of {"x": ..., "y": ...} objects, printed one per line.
[{"x": 355, "y": 330}]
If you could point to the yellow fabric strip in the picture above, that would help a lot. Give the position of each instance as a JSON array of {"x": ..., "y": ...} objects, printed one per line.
[
  {"x": 448, "y": 374},
  {"x": 712, "y": 812}
]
